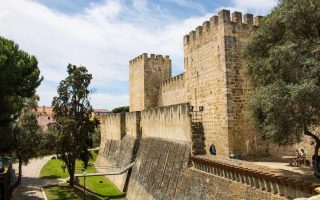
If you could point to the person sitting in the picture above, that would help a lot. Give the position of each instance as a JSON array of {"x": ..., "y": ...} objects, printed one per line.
[
  {"x": 297, "y": 159},
  {"x": 302, "y": 158}
]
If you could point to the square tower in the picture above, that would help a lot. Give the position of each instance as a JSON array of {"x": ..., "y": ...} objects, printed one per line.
[
  {"x": 146, "y": 74},
  {"x": 213, "y": 77}
]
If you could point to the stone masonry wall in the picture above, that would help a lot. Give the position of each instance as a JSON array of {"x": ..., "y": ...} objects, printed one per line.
[
  {"x": 243, "y": 138},
  {"x": 171, "y": 123},
  {"x": 172, "y": 91},
  {"x": 158, "y": 168},
  {"x": 136, "y": 84},
  {"x": 120, "y": 135},
  {"x": 163, "y": 153},
  {"x": 205, "y": 80},
  {"x": 146, "y": 74},
  {"x": 196, "y": 184},
  {"x": 214, "y": 79}
]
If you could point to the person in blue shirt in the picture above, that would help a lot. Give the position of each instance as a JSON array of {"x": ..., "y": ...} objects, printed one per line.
[{"x": 213, "y": 150}]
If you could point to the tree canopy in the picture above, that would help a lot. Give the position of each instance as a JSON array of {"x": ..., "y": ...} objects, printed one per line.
[
  {"x": 120, "y": 109},
  {"x": 72, "y": 115},
  {"x": 27, "y": 134},
  {"x": 19, "y": 78},
  {"x": 283, "y": 59}
]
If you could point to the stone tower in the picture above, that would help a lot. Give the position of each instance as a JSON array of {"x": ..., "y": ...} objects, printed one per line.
[
  {"x": 146, "y": 75},
  {"x": 214, "y": 80}
]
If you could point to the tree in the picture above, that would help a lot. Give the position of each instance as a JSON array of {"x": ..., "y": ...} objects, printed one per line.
[
  {"x": 283, "y": 59},
  {"x": 72, "y": 115},
  {"x": 19, "y": 78},
  {"x": 27, "y": 134},
  {"x": 120, "y": 109}
]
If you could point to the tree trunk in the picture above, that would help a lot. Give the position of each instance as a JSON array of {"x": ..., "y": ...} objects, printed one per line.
[
  {"x": 20, "y": 172},
  {"x": 316, "y": 148},
  {"x": 72, "y": 172}
]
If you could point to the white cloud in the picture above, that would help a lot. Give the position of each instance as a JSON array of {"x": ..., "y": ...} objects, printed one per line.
[
  {"x": 97, "y": 38},
  {"x": 104, "y": 37}
]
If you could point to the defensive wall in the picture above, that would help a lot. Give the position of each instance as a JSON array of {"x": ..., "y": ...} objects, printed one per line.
[
  {"x": 172, "y": 91},
  {"x": 162, "y": 139},
  {"x": 164, "y": 135},
  {"x": 119, "y": 143},
  {"x": 212, "y": 79}
]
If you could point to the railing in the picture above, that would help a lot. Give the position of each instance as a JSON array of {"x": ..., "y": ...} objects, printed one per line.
[{"x": 275, "y": 184}]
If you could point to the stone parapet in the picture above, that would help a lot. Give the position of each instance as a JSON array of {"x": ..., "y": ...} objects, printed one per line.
[
  {"x": 276, "y": 184},
  {"x": 170, "y": 123},
  {"x": 173, "y": 80},
  {"x": 146, "y": 56},
  {"x": 172, "y": 91},
  {"x": 217, "y": 23}
]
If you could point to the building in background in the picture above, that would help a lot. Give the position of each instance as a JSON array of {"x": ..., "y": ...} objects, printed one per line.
[{"x": 45, "y": 115}]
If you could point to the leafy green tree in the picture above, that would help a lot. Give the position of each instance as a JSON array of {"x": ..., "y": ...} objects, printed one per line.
[
  {"x": 120, "y": 109},
  {"x": 27, "y": 134},
  {"x": 283, "y": 59},
  {"x": 72, "y": 115},
  {"x": 19, "y": 78}
]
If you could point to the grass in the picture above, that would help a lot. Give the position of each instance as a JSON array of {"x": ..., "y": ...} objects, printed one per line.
[
  {"x": 64, "y": 191},
  {"x": 102, "y": 186},
  {"x": 53, "y": 170},
  {"x": 99, "y": 185}
]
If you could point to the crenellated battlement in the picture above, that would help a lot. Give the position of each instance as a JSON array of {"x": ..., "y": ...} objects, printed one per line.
[
  {"x": 173, "y": 80},
  {"x": 145, "y": 56},
  {"x": 224, "y": 18}
]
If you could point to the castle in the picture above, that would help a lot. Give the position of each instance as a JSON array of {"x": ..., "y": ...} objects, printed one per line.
[
  {"x": 212, "y": 81},
  {"x": 173, "y": 121}
]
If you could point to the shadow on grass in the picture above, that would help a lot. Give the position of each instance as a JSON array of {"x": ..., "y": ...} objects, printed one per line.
[
  {"x": 79, "y": 190},
  {"x": 118, "y": 196},
  {"x": 50, "y": 177}
]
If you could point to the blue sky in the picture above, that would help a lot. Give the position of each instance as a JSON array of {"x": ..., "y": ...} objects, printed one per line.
[{"x": 104, "y": 35}]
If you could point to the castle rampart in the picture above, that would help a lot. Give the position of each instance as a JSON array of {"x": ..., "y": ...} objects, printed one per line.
[
  {"x": 172, "y": 91},
  {"x": 212, "y": 80},
  {"x": 170, "y": 123},
  {"x": 161, "y": 169}
]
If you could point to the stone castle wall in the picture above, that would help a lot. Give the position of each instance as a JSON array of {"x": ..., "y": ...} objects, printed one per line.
[
  {"x": 243, "y": 138},
  {"x": 162, "y": 167},
  {"x": 119, "y": 133},
  {"x": 213, "y": 79},
  {"x": 196, "y": 184},
  {"x": 163, "y": 153},
  {"x": 172, "y": 91},
  {"x": 171, "y": 123},
  {"x": 205, "y": 75}
]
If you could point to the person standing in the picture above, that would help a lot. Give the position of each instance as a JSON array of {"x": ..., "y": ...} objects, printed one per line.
[{"x": 213, "y": 150}]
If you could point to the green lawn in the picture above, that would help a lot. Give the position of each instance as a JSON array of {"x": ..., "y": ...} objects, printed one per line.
[
  {"x": 97, "y": 184},
  {"x": 64, "y": 191},
  {"x": 53, "y": 170}
]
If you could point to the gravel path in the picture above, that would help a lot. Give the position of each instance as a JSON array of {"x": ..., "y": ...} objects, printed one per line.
[{"x": 31, "y": 184}]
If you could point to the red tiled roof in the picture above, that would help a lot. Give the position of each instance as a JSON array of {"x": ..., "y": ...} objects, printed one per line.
[
  {"x": 49, "y": 110},
  {"x": 45, "y": 110}
]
